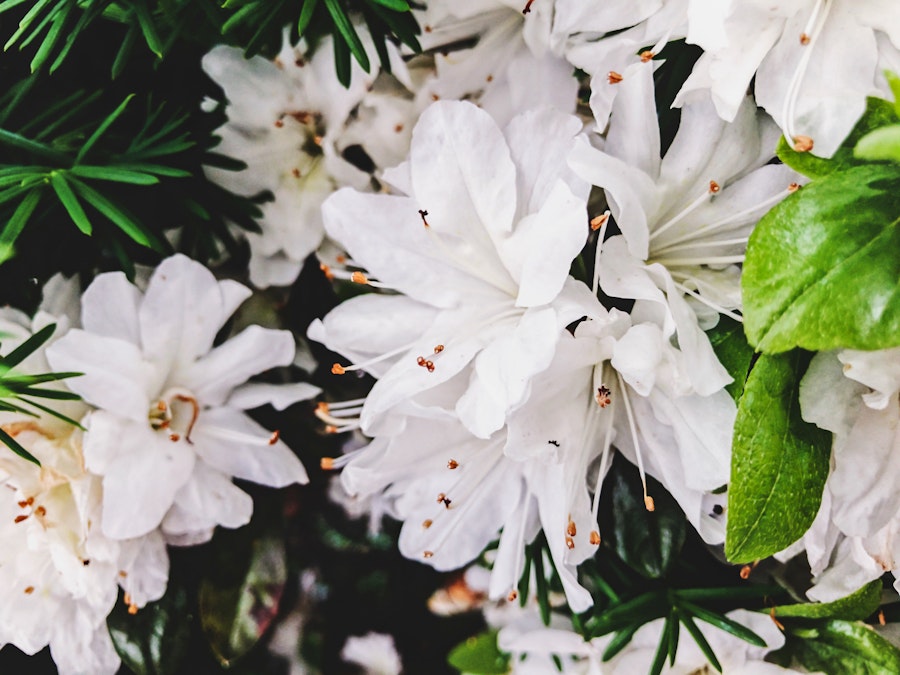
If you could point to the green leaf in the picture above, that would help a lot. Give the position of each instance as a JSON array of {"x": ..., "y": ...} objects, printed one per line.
[
  {"x": 114, "y": 173},
  {"x": 878, "y": 113},
  {"x": 848, "y": 648},
  {"x": 148, "y": 28},
  {"x": 306, "y": 15},
  {"x": 235, "y": 616},
  {"x": 70, "y": 201},
  {"x": 823, "y": 267},
  {"x": 104, "y": 125},
  {"x": 16, "y": 447},
  {"x": 396, "y": 5},
  {"x": 620, "y": 641},
  {"x": 17, "y": 141},
  {"x": 649, "y": 542},
  {"x": 734, "y": 352},
  {"x": 348, "y": 32},
  {"x": 20, "y": 217},
  {"x": 723, "y": 623},
  {"x": 894, "y": 83},
  {"x": 24, "y": 350},
  {"x": 156, "y": 639},
  {"x": 779, "y": 462},
  {"x": 124, "y": 221},
  {"x": 883, "y": 143},
  {"x": 662, "y": 649},
  {"x": 479, "y": 655},
  {"x": 856, "y": 606},
  {"x": 700, "y": 640}
]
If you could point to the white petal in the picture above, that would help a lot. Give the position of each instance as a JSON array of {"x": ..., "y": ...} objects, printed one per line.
[
  {"x": 252, "y": 351},
  {"x": 247, "y": 453},
  {"x": 116, "y": 378},
  {"x": 279, "y": 396},
  {"x": 109, "y": 307},
  {"x": 209, "y": 498}
]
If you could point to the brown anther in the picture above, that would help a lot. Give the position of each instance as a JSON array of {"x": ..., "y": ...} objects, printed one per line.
[
  {"x": 273, "y": 439},
  {"x": 649, "y": 504},
  {"x": 803, "y": 143},
  {"x": 398, "y": 128},
  {"x": 429, "y": 366},
  {"x": 603, "y": 396},
  {"x": 570, "y": 529},
  {"x": 337, "y": 369},
  {"x": 452, "y": 464},
  {"x": 647, "y": 56},
  {"x": 441, "y": 497},
  {"x": 279, "y": 124},
  {"x": 359, "y": 278},
  {"x": 174, "y": 438},
  {"x": 295, "y": 172},
  {"x": 317, "y": 140},
  {"x": 435, "y": 97},
  {"x": 420, "y": 360},
  {"x": 881, "y": 619},
  {"x": 340, "y": 259},
  {"x": 570, "y": 543},
  {"x": 804, "y": 39},
  {"x": 745, "y": 572},
  {"x": 426, "y": 523},
  {"x": 598, "y": 221},
  {"x": 613, "y": 77},
  {"x": 714, "y": 187},
  {"x": 19, "y": 519},
  {"x": 513, "y": 594},
  {"x": 427, "y": 554},
  {"x": 322, "y": 407},
  {"x": 123, "y": 574},
  {"x": 594, "y": 538},
  {"x": 161, "y": 406},
  {"x": 489, "y": 78},
  {"x": 423, "y": 213},
  {"x": 527, "y": 7},
  {"x": 25, "y": 503},
  {"x": 85, "y": 562},
  {"x": 330, "y": 429},
  {"x": 438, "y": 349},
  {"x": 127, "y": 598},
  {"x": 132, "y": 609},
  {"x": 326, "y": 463},
  {"x": 29, "y": 590},
  {"x": 793, "y": 187},
  {"x": 428, "y": 28},
  {"x": 40, "y": 512},
  {"x": 299, "y": 62},
  {"x": 326, "y": 270}
]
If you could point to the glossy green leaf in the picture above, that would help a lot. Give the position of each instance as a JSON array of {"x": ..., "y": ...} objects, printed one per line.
[
  {"x": 155, "y": 640},
  {"x": 779, "y": 462},
  {"x": 648, "y": 541},
  {"x": 823, "y": 267},
  {"x": 848, "y": 648},
  {"x": 396, "y": 5},
  {"x": 879, "y": 113},
  {"x": 235, "y": 617},
  {"x": 16, "y": 447},
  {"x": 479, "y": 655},
  {"x": 115, "y": 174},
  {"x": 883, "y": 143},
  {"x": 856, "y": 606},
  {"x": 20, "y": 217},
  {"x": 735, "y": 353},
  {"x": 348, "y": 33}
]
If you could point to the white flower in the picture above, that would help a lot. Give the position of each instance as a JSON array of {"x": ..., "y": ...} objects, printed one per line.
[
  {"x": 169, "y": 432},
  {"x": 284, "y": 118},
  {"x": 853, "y": 540},
  {"x": 686, "y": 217},
  {"x": 480, "y": 247},
  {"x": 814, "y": 61},
  {"x": 375, "y": 652},
  {"x": 509, "y": 70}
]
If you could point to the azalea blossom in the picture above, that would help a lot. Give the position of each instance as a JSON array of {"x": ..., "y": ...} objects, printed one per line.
[
  {"x": 284, "y": 119},
  {"x": 479, "y": 245},
  {"x": 813, "y": 62},
  {"x": 169, "y": 431},
  {"x": 856, "y": 396},
  {"x": 685, "y": 217}
]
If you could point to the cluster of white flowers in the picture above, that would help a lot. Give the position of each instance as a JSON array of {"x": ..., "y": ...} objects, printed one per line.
[
  {"x": 163, "y": 432},
  {"x": 503, "y": 384},
  {"x": 466, "y": 189}
]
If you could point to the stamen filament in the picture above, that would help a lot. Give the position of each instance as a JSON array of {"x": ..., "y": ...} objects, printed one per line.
[
  {"x": 686, "y": 211},
  {"x": 709, "y": 303},
  {"x": 595, "y": 284},
  {"x": 648, "y": 501}
]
